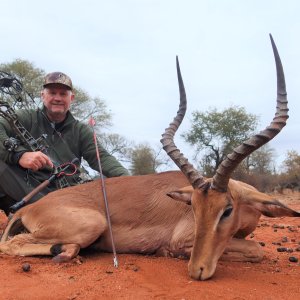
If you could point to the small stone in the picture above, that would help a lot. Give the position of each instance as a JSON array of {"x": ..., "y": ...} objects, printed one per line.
[
  {"x": 133, "y": 267},
  {"x": 262, "y": 244},
  {"x": 284, "y": 239},
  {"x": 281, "y": 249},
  {"x": 290, "y": 250},
  {"x": 26, "y": 267},
  {"x": 293, "y": 259},
  {"x": 278, "y": 226},
  {"x": 292, "y": 228},
  {"x": 297, "y": 249}
]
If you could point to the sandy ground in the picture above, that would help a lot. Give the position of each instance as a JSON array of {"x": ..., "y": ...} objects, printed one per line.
[{"x": 93, "y": 276}]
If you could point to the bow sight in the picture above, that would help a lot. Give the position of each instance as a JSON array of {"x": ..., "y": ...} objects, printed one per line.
[{"x": 11, "y": 86}]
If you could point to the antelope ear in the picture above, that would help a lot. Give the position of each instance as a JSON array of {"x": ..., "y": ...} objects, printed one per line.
[
  {"x": 267, "y": 205},
  {"x": 274, "y": 208},
  {"x": 183, "y": 195},
  {"x": 264, "y": 203}
]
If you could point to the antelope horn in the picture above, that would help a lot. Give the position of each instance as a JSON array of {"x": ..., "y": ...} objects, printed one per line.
[
  {"x": 225, "y": 169},
  {"x": 167, "y": 140}
]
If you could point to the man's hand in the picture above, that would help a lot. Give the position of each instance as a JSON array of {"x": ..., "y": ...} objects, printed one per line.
[{"x": 35, "y": 161}]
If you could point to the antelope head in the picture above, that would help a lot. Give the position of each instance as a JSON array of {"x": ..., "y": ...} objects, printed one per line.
[{"x": 216, "y": 201}]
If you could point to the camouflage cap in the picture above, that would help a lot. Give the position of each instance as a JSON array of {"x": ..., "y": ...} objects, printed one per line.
[{"x": 58, "y": 78}]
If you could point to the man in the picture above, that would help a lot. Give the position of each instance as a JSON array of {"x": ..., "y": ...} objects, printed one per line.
[{"x": 21, "y": 170}]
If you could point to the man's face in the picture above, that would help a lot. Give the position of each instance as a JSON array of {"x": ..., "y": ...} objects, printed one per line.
[{"x": 57, "y": 100}]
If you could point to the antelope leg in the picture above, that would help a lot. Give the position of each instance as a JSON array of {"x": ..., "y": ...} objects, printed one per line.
[{"x": 242, "y": 250}]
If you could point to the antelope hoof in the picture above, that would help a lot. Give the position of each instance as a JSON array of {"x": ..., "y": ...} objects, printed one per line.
[
  {"x": 60, "y": 258},
  {"x": 64, "y": 253}
]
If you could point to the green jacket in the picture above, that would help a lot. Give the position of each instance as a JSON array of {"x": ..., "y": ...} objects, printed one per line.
[{"x": 67, "y": 140}]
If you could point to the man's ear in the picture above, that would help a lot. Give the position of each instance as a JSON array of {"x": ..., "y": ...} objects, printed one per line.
[
  {"x": 183, "y": 195},
  {"x": 72, "y": 96}
]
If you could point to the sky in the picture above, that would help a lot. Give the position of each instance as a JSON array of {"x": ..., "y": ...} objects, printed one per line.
[{"x": 124, "y": 52}]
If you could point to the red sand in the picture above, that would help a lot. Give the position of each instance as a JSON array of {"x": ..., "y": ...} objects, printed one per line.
[{"x": 92, "y": 275}]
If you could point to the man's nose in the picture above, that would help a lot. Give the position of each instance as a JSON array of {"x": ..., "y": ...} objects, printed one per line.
[{"x": 57, "y": 97}]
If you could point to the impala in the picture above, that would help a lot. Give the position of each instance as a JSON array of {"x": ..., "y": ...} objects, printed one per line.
[{"x": 209, "y": 220}]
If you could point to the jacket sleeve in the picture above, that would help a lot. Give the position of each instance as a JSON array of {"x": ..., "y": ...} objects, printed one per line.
[
  {"x": 6, "y": 132},
  {"x": 109, "y": 164}
]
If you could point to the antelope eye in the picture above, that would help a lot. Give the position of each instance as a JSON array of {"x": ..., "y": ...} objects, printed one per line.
[{"x": 227, "y": 212}]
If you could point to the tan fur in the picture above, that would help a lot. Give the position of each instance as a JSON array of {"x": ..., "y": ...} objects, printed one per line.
[{"x": 144, "y": 220}]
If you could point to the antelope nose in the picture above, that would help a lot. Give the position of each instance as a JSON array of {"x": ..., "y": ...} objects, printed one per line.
[{"x": 196, "y": 273}]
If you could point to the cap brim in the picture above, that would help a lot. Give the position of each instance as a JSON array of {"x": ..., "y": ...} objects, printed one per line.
[{"x": 57, "y": 83}]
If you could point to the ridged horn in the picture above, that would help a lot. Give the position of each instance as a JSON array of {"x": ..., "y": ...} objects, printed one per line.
[
  {"x": 225, "y": 169},
  {"x": 193, "y": 176}
]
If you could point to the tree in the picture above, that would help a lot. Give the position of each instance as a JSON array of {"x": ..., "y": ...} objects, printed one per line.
[
  {"x": 258, "y": 169},
  {"x": 30, "y": 77},
  {"x": 215, "y": 134},
  {"x": 86, "y": 106},
  {"x": 291, "y": 164},
  {"x": 261, "y": 161},
  {"x": 117, "y": 145},
  {"x": 145, "y": 160},
  {"x": 290, "y": 172}
]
